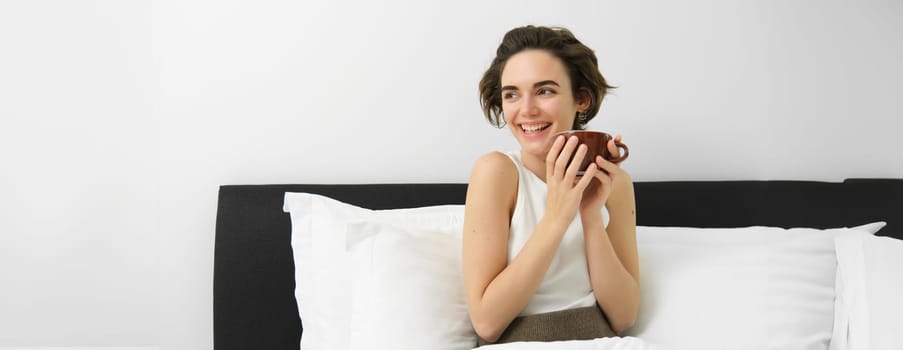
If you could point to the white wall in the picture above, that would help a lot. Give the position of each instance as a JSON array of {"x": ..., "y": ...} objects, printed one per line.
[
  {"x": 121, "y": 119},
  {"x": 79, "y": 174}
]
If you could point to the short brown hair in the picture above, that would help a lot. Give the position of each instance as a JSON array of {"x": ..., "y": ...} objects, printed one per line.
[{"x": 579, "y": 60}]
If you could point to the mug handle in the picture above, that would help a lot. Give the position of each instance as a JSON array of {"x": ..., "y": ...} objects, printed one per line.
[{"x": 624, "y": 152}]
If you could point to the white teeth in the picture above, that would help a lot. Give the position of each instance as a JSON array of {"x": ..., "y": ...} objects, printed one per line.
[{"x": 534, "y": 127}]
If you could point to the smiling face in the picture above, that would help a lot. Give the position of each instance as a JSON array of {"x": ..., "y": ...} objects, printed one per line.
[{"x": 537, "y": 100}]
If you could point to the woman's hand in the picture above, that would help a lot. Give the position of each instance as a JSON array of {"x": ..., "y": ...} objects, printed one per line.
[
  {"x": 565, "y": 189},
  {"x": 609, "y": 179}
]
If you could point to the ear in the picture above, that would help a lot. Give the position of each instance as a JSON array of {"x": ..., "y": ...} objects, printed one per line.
[{"x": 583, "y": 98}]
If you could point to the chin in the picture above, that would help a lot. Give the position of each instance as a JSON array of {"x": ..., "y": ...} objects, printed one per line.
[{"x": 537, "y": 149}]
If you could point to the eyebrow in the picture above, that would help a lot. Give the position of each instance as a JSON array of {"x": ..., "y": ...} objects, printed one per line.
[{"x": 541, "y": 83}]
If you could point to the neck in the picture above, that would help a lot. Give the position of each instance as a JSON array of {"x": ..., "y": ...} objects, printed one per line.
[{"x": 535, "y": 164}]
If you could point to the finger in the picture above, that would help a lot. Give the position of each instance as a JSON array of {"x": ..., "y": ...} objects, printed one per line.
[
  {"x": 606, "y": 166},
  {"x": 553, "y": 154},
  {"x": 618, "y": 138},
  {"x": 605, "y": 179},
  {"x": 612, "y": 149},
  {"x": 574, "y": 168},
  {"x": 565, "y": 155},
  {"x": 592, "y": 171}
]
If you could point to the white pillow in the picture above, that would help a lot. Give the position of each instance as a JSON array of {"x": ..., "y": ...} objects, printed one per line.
[
  {"x": 407, "y": 288},
  {"x": 737, "y": 288},
  {"x": 323, "y": 268},
  {"x": 848, "y": 287},
  {"x": 870, "y": 282}
]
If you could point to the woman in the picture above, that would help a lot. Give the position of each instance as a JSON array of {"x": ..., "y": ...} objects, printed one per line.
[{"x": 541, "y": 259}]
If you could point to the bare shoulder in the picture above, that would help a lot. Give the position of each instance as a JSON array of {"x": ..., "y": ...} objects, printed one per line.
[
  {"x": 494, "y": 163},
  {"x": 494, "y": 171},
  {"x": 493, "y": 182}
]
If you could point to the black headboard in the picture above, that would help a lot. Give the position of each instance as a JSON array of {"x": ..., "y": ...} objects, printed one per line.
[{"x": 253, "y": 279}]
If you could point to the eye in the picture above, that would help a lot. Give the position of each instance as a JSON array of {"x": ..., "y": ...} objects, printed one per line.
[
  {"x": 545, "y": 91},
  {"x": 509, "y": 95}
]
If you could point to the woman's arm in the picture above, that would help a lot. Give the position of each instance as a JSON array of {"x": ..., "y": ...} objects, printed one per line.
[
  {"x": 496, "y": 293},
  {"x": 496, "y": 290},
  {"x": 612, "y": 255}
]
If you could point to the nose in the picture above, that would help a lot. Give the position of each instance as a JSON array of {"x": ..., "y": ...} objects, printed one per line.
[{"x": 530, "y": 108}]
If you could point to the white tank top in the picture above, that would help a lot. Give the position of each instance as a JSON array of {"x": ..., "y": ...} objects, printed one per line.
[{"x": 566, "y": 284}]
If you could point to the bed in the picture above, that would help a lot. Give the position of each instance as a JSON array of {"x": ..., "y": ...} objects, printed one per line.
[{"x": 256, "y": 302}]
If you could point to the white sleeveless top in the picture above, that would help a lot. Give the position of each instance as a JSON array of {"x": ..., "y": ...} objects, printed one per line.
[{"x": 566, "y": 284}]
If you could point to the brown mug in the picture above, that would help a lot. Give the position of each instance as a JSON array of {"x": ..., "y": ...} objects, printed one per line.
[{"x": 597, "y": 144}]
